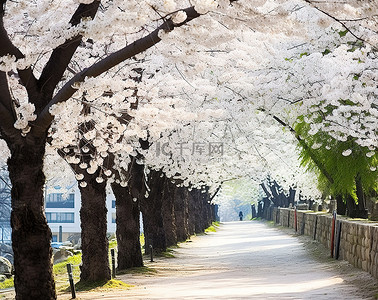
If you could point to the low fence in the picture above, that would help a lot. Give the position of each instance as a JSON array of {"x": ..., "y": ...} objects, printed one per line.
[{"x": 351, "y": 240}]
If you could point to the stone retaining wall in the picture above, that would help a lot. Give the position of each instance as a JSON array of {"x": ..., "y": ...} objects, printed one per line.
[{"x": 358, "y": 239}]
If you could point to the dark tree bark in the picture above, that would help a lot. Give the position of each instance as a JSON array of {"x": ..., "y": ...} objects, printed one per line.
[
  {"x": 94, "y": 242},
  {"x": 197, "y": 210},
  {"x": 128, "y": 201},
  {"x": 168, "y": 212},
  {"x": 181, "y": 214},
  {"x": 153, "y": 225},
  {"x": 266, "y": 207},
  {"x": 260, "y": 209},
  {"x": 253, "y": 208},
  {"x": 351, "y": 207},
  {"x": 191, "y": 212},
  {"x": 291, "y": 196},
  {"x": 362, "y": 210},
  {"x": 207, "y": 218},
  {"x": 31, "y": 236},
  {"x": 128, "y": 232},
  {"x": 341, "y": 205},
  {"x": 214, "y": 212},
  {"x": 357, "y": 210}
]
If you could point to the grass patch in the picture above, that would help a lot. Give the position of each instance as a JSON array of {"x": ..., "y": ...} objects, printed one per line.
[
  {"x": 102, "y": 285},
  {"x": 210, "y": 229},
  {"x": 61, "y": 269},
  {"x": 7, "y": 283},
  {"x": 112, "y": 244},
  {"x": 213, "y": 227},
  {"x": 137, "y": 270},
  {"x": 167, "y": 254}
]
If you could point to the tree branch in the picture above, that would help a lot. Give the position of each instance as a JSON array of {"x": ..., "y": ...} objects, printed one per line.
[
  {"x": 316, "y": 161},
  {"x": 7, "y": 48},
  {"x": 7, "y": 129},
  {"x": 5, "y": 97},
  {"x": 62, "y": 55},
  {"x": 265, "y": 190},
  {"x": 141, "y": 45},
  {"x": 216, "y": 192},
  {"x": 338, "y": 21}
]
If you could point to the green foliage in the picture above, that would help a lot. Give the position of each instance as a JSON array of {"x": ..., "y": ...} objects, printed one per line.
[
  {"x": 326, "y": 51},
  {"x": 8, "y": 283},
  {"x": 342, "y": 169}
]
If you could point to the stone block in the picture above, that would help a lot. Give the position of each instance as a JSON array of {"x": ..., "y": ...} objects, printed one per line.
[{"x": 364, "y": 265}]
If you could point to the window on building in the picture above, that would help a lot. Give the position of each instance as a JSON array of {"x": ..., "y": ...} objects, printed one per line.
[
  {"x": 113, "y": 217},
  {"x": 60, "y": 217},
  {"x": 113, "y": 204},
  {"x": 57, "y": 200},
  {"x": 54, "y": 238}
]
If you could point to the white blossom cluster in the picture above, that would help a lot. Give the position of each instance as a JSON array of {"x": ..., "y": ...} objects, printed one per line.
[{"x": 219, "y": 79}]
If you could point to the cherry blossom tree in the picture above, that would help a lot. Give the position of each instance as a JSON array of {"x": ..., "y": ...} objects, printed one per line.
[
  {"x": 83, "y": 62},
  {"x": 35, "y": 75}
]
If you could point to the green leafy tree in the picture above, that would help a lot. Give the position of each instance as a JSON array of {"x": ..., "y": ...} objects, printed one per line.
[{"x": 344, "y": 167}]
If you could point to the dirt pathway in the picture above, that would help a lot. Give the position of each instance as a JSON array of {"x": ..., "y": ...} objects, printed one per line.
[{"x": 246, "y": 260}]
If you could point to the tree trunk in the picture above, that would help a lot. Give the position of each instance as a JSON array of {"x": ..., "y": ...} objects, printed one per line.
[
  {"x": 31, "y": 236},
  {"x": 168, "y": 213},
  {"x": 94, "y": 243},
  {"x": 181, "y": 214},
  {"x": 191, "y": 212},
  {"x": 253, "y": 208},
  {"x": 260, "y": 209},
  {"x": 352, "y": 210},
  {"x": 362, "y": 210},
  {"x": 206, "y": 209},
  {"x": 197, "y": 205},
  {"x": 154, "y": 234},
  {"x": 291, "y": 199},
  {"x": 341, "y": 205},
  {"x": 128, "y": 232}
]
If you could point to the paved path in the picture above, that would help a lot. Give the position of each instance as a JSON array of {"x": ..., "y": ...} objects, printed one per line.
[{"x": 245, "y": 260}]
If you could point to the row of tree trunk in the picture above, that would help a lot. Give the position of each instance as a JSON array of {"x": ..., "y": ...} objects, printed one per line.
[
  {"x": 275, "y": 196},
  {"x": 346, "y": 205},
  {"x": 171, "y": 214}
]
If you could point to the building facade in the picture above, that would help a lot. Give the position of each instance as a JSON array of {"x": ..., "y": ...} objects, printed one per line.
[{"x": 63, "y": 213}]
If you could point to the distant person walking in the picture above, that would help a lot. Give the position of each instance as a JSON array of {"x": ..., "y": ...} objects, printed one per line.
[{"x": 241, "y": 215}]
